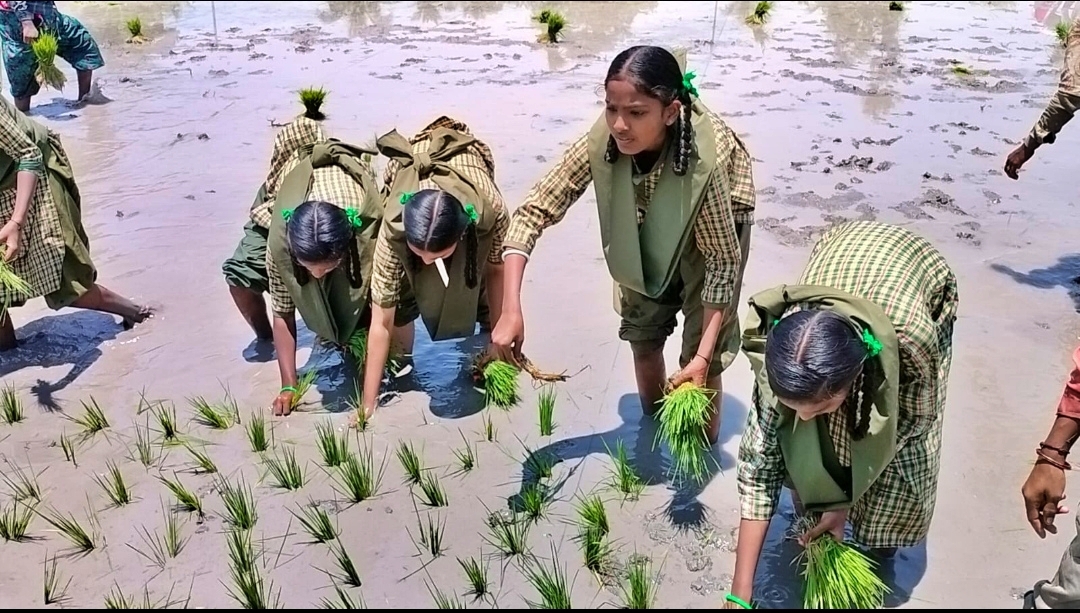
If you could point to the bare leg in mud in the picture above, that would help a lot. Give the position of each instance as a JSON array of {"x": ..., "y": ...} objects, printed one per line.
[
  {"x": 651, "y": 374},
  {"x": 7, "y": 333},
  {"x": 252, "y": 306},
  {"x": 101, "y": 298}
]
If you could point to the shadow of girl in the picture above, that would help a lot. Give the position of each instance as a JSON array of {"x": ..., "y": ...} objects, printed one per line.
[
  {"x": 73, "y": 339},
  {"x": 637, "y": 434}
]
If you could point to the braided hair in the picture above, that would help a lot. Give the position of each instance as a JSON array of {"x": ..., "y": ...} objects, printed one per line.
[
  {"x": 319, "y": 232},
  {"x": 434, "y": 221},
  {"x": 815, "y": 355},
  {"x": 655, "y": 72}
]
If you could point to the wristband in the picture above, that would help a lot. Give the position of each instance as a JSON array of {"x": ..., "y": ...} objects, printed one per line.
[
  {"x": 707, "y": 360},
  {"x": 732, "y": 598},
  {"x": 288, "y": 388},
  {"x": 1062, "y": 452},
  {"x": 1051, "y": 461}
]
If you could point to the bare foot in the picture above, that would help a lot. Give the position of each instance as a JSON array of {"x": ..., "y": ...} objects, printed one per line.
[{"x": 144, "y": 313}]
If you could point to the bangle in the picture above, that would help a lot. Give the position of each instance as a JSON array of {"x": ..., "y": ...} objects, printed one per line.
[
  {"x": 707, "y": 360},
  {"x": 1064, "y": 453},
  {"x": 288, "y": 388},
  {"x": 18, "y": 224},
  {"x": 1051, "y": 461},
  {"x": 732, "y": 598}
]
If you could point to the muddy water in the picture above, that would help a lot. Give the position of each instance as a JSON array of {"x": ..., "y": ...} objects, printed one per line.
[{"x": 849, "y": 110}]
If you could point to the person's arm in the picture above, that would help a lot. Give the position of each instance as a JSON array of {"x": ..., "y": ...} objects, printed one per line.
[
  {"x": 495, "y": 272},
  {"x": 387, "y": 272},
  {"x": 24, "y": 151},
  {"x": 284, "y": 309},
  {"x": 760, "y": 478}
]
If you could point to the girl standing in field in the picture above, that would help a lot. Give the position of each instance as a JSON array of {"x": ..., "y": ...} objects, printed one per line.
[
  {"x": 848, "y": 405},
  {"x": 42, "y": 237},
  {"x": 440, "y": 242},
  {"x": 675, "y": 195},
  {"x": 323, "y": 223}
]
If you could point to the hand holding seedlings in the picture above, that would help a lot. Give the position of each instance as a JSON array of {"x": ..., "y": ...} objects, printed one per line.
[
  {"x": 831, "y": 522},
  {"x": 696, "y": 372}
]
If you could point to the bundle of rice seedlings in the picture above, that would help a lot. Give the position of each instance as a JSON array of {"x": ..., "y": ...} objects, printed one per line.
[
  {"x": 316, "y": 522},
  {"x": 23, "y": 483},
  {"x": 68, "y": 446},
  {"x": 410, "y": 462},
  {"x": 623, "y": 477},
  {"x": 500, "y": 380},
  {"x": 186, "y": 500},
  {"x": 433, "y": 493},
  {"x": 45, "y": 48},
  {"x": 134, "y": 28},
  {"x": 684, "y": 417},
  {"x": 286, "y": 471},
  {"x": 553, "y": 23},
  {"x": 595, "y": 550},
  {"x": 476, "y": 573},
  {"x": 535, "y": 500},
  {"x": 509, "y": 536},
  {"x": 466, "y": 456},
  {"x": 257, "y": 433},
  {"x": 760, "y": 14},
  {"x": 312, "y": 98},
  {"x": 543, "y": 16},
  {"x": 93, "y": 419},
  {"x": 837, "y": 575},
  {"x": 114, "y": 485},
  {"x": 84, "y": 540},
  {"x": 348, "y": 574},
  {"x": 546, "y": 404},
  {"x": 51, "y": 591},
  {"x": 343, "y": 601},
  {"x": 10, "y": 282},
  {"x": 549, "y": 582},
  {"x": 896, "y": 6},
  {"x": 15, "y": 523},
  {"x": 1062, "y": 30},
  {"x": 202, "y": 463},
  {"x": 240, "y": 510},
  {"x": 591, "y": 514},
  {"x": 333, "y": 447},
  {"x": 211, "y": 416},
  {"x": 357, "y": 478},
  {"x": 11, "y": 407},
  {"x": 442, "y": 601},
  {"x": 638, "y": 589}
]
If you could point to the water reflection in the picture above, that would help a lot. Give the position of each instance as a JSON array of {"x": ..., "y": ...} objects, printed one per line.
[
  {"x": 359, "y": 15},
  {"x": 106, "y": 20}
]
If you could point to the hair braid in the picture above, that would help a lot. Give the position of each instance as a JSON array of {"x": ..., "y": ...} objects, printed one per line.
[
  {"x": 355, "y": 269},
  {"x": 685, "y": 137},
  {"x": 472, "y": 247}
]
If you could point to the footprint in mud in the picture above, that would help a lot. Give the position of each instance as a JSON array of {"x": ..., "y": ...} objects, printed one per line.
[
  {"x": 788, "y": 236},
  {"x": 968, "y": 232},
  {"x": 982, "y": 152},
  {"x": 945, "y": 178},
  {"x": 708, "y": 584},
  {"x": 835, "y": 202}
]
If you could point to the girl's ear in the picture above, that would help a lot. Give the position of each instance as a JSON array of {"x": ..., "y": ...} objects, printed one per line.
[{"x": 671, "y": 112}]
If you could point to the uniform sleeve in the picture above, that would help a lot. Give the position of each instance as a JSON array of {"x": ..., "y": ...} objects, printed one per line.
[
  {"x": 498, "y": 234},
  {"x": 17, "y": 144},
  {"x": 387, "y": 272},
  {"x": 921, "y": 392},
  {"x": 24, "y": 11},
  {"x": 550, "y": 199},
  {"x": 1066, "y": 100},
  {"x": 715, "y": 230},
  {"x": 1070, "y": 399},
  {"x": 761, "y": 465},
  {"x": 741, "y": 174},
  {"x": 280, "y": 299}
]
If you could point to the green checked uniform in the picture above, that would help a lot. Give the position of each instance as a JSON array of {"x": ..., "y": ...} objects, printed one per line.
[
  {"x": 77, "y": 46},
  {"x": 898, "y": 285}
]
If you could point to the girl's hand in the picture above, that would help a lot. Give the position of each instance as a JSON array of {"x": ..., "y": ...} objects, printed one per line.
[
  {"x": 696, "y": 372},
  {"x": 9, "y": 237},
  {"x": 508, "y": 337},
  {"x": 832, "y": 522},
  {"x": 283, "y": 404},
  {"x": 29, "y": 32}
]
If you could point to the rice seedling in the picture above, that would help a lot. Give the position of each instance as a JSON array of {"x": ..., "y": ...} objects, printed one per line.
[
  {"x": 166, "y": 419},
  {"x": 357, "y": 403},
  {"x": 334, "y": 447},
  {"x": 144, "y": 452},
  {"x": 509, "y": 536},
  {"x": 1062, "y": 30},
  {"x": 11, "y": 282},
  {"x": 11, "y": 407},
  {"x": 202, "y": 464},
  {"x": 684, "y": 416},
  {"x": 490, "y": 433},
  {"x": 316, "y": 522},
  {"x": 211, "y": 416},
  {"x": 638, "y": 589},
  {"x": 442, "y": 601},
  {"x": 357, "y": 347},
  {"x": 553, "y": 27},
  {"x": 431, "y": 534},
  {"x": 45, "y": 48},
  {"x": 257, "y": 433},
  {"x": 543, "y": 16},
  {"x": 249, "y": 589},
  {"x": 134, "y": 28},
  {"x": 159, "y": 548},
  {"x": 500, "y": 384},
  {"x": 896, "y": 6},
  {"x": 286, "y": 470},
  {"x": 93, "y": 419},
  {"x": 358, "y": 479},
  {"x": 837, "y": 575},
  {"x": 303, "y": 386},
  {"x": 960, "y": 69},
  {"x": 594, "y": 549},
  {"x": 410, "y": 462},
  {"x": 538, "y": 464},
  {"x": 240, "y": 510},
  {"x": 760, "y": 13},
  {"x": 186, "y": 499},
  {"x": 343, "y": 601},
  {"x": 550, "y": 583},
  {"x": 348, "y": 574},
  {"x": 466, "y": 456},
  {"x": 117, "y": 600},
  {"x": 113, "y": 483},
  {"x": 591, "y": 514},
  {"x": 174, "y": 539},
  {"x": 242, "y": 556},
  {"x": 68, "y": 446},
  {"x": 312, "y": 98},
  {"x": 51, "y": 591},
  {"x": 546, "y": 404},
  {"x": 476, "y": 574},
  {"x": 15, "y": 523},
  {"x": 623, "y": 478},
  {"x": 535, "y": 500},
  {"x": 23, "y": 483},
  {"x": 84, "y": 540},
  {"x": 433, "y": 493}
]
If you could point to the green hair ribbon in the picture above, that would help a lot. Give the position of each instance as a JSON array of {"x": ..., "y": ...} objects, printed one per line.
[
  {"x": 688, "y": 84},
  {"x": 287, "y": 214},
  {"x": 873, "y": 345},
  {"x": 405, "y": 197},
  {"x": 470, "y": 210},
  {"x": 354, "y": 218}
]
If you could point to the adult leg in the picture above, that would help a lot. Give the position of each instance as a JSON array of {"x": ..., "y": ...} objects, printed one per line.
[
  {"x": 19, "y": 65},
  {"x": 252, "y": 306},
  {"x": 86, "y": 77},
  {"x": 79, "y": 49}
]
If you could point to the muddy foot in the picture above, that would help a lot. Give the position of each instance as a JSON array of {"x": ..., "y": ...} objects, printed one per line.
[{"x": 145, "y": 312}]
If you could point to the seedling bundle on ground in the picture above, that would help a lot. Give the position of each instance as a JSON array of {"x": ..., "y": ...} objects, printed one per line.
[
  {"x": 760, "y": 14},
  {"x": 45, "y": 48},
  {"x": 134, "y": 28},
  {"x": 684, "y": 416},
  {"x": 553, "y": 23},
  {"x": 837, "y": 575},
  {"x": 896, "y": 6},
  {"x": 500, "y": 382},
  {"x": 1062, "y": 30},
  {"x": 312, "y": 98}
]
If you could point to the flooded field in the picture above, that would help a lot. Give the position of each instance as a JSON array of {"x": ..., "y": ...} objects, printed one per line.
[{"x": 850, "y": 111}]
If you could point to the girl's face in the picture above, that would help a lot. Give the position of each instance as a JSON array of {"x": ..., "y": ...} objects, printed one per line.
[
  {"x": 809, "y": 410},
  {"x": 429, "y": 257},
  {"x": 637, "y": 122},
  {"x": 321, "y": 269}
]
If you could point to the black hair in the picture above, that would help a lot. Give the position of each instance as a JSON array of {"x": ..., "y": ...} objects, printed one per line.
[
  {"x": 320, "y": 232},
  {"x": 435, "y": 220},
  {"x": 813, "y": 355},
  {"x": 655, "y": 72}
]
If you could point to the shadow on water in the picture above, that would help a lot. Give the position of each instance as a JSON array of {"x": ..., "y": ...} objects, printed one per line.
[
  {"x": 442, "y": 371},
  {"x": 1065, "y": 273},
  {"x": 778, "y": 581},
  {"x": 73, "y": 339},
  {"x": 637, "y": 433}
]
